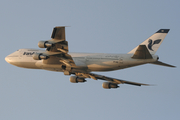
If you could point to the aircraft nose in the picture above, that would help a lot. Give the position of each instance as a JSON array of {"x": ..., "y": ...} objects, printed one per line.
[{"x": 7, "y": 59}]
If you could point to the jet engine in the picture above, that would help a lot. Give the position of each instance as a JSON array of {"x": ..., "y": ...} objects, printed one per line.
[
  {"x": 75, "y": 79},
  {"x": 45, "y": 44},
  {"x": 108, "y": 85},
  {"x": 40, "y": 56}
]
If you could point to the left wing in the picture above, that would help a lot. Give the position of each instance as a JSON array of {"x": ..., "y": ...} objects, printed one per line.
[{"x": 110, "y": 81}]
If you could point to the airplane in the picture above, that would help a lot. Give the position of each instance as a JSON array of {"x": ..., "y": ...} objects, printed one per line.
[{"x": 57, "y": 57}]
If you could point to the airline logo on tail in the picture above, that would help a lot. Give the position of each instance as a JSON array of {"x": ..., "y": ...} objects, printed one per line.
[{"x": 151, "y": 43}]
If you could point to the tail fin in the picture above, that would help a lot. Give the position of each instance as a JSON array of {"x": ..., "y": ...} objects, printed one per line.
[{"x": 153, "y": 42}]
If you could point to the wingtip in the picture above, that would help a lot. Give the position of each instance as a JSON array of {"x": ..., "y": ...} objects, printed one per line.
[
  {"x": 148, "y": 84},
  {"x": 61, "y": 26},
  {"x": 174, "y": 66}
]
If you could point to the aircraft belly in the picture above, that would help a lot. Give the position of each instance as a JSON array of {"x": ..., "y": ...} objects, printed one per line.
[
  {"x": 19, "y": 62},
  {"x": 28, "y": 65},
  {"x": 135, "y": 62},
  {"x": 50, "y": 67},
  {"x": 99, "y": 67}
]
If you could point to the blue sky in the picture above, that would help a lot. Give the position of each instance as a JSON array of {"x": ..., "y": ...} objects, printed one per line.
[{"x": 102, "y": 26}]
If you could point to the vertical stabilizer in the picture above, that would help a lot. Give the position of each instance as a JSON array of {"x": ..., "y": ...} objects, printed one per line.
[{"x": 153, "y": 42}]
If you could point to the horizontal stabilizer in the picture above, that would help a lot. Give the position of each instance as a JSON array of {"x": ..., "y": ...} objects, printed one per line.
[
  {"x": 142, "y": 53},
  {"x": 162, "y": 64}
]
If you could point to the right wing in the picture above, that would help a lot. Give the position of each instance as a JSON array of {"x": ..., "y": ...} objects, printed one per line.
[
  {"x": 58, "y": 33},
  {"x": 56, "y": 50},
  {"x": 59, "y": 49},
  {"x": 58, "y": 40}
]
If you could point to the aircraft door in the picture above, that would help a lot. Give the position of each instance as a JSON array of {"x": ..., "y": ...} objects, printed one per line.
[{"x": 20, "y": 54}]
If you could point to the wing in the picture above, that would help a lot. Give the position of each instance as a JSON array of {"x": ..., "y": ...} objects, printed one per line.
[
  {"x": 58, "y": 33},
  {"x": 108, "y": 79},
  {"x": 56, "y": 50},
  {"x": 58, "y": 40}
]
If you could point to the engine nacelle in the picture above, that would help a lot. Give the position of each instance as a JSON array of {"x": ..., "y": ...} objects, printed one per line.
[
  {"x": 44, "y": 44},
  {"x": 40, "y": 56},
  {"x": 108, "y": 85},
  {"x": 75, "y": 79}
]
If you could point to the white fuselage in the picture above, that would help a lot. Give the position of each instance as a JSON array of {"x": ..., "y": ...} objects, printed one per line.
[{"x": 90, "y": 61}]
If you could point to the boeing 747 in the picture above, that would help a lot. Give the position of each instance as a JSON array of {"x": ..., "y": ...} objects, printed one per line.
[{"x": 57, "y": 57}]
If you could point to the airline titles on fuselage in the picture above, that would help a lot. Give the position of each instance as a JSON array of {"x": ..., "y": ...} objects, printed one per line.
[{"x": 28, "y": 53}]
